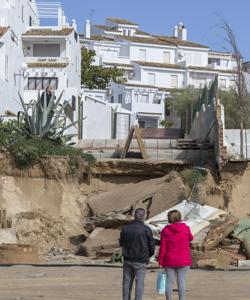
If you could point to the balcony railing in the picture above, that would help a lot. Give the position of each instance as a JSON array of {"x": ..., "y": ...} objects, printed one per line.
[
  {"x": 32, "y": 59},
  {"x": 116, "y": 59}
]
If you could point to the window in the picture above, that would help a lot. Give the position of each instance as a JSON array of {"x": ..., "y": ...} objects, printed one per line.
[
  {"x": 142, "y": 54},
  {"x": 174, "y": 81},
  {"x": 151, "y": 78},
  {"x": 166, "y": 57},
  {"x": 73, "y": 103},
  {"x": 30, "y": 21},
  {"x": 141, "y": 123},
  {"x": 112, "y": 99},
  {"x": 144, "y": 98},
  {"x": 40, "y": 83},
  {"x": 120, "y": 98},
  {"x": 6, "y": 72},
  {"x": 46, "y": 50}
]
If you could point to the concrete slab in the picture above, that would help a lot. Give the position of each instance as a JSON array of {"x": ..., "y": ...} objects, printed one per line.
[{"x": 8, "y": 236}]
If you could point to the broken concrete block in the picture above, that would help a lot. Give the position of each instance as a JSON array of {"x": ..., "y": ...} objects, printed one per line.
[
  {"x": 100, "y": 239},
  {"x": 219, "y": 230},
  {"x": 8, "y": 236},
  {"x": 109, "y": 221},
  {"x": 223, "y": 259},
  {"x": 155, "y": 195},
  {"x": 107, "y": 252},
  {"x": 207, "y": 263}
]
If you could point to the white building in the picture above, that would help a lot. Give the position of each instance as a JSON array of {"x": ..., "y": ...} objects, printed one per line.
[
  {"x": 15, "y": 17},
  {"x": 32, "y": 56},
  {"x": 53, "y": 57},
  {"x": 154, "y": 65}
]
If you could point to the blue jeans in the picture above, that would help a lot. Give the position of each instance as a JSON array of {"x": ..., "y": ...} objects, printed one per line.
[
  {"x": 180, "y": 274},
  {"x": 133, "y": 271}
]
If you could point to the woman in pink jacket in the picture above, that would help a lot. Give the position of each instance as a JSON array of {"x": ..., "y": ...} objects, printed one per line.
[{"x": 175, "y": 254}]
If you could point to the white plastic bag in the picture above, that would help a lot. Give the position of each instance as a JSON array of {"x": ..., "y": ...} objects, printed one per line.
[{"x": 161, "y": 282}]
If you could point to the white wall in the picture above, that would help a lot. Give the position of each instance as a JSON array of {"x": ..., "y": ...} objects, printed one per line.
[
  {"x": 154, "y": 53},
  {"x": 10, "y": 62},
  {"x": 193, "y": 57},
  {"x": 15, "y": 14},
  {"x": 232, "y": 141},
  {"x": 163, "y": 76},
  {"x": 98, "y": 123}
]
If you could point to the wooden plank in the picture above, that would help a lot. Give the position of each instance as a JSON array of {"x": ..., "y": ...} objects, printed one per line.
[
  {"x": 140, "y": 142},
  {"x": 128, "y": 141},
  {"x": 134, "y": 130}
]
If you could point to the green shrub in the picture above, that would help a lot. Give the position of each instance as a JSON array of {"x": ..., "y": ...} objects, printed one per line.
[
  {"x": 191, "y": 176},
  {"x": 25, "y": 156},
  {"x": 27, "y": 150}
]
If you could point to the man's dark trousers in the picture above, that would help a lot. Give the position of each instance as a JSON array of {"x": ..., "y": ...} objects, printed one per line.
[{"x": 133, "y": 271}]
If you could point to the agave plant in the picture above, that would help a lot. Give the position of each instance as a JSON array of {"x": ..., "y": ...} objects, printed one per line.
[{"x": 46, "y": 119}]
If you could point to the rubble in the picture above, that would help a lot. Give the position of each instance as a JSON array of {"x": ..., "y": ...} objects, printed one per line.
[
  {"x": 108, "y": 221},
  {"x": 45, "y": 231},
  {"x": 98, "y": 240},
  {"x": 155, "y": 195},
  {"x": 207, "y": 263},
  {"x": 214, "y": 245},
  {"x": 18, "y": 254}
]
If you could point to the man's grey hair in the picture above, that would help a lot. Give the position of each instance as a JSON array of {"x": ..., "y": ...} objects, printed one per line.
[{"x": 140, "y": 214}]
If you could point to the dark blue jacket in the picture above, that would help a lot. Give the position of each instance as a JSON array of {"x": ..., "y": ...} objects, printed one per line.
[{"x": 137, "y": 242}]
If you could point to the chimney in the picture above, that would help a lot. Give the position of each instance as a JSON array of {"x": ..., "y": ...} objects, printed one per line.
[
  {"x": 175, "y": 32},
  {"x": 59, "y": 17},
  {"x": 87, "y": 30},
  {"x": 74, "y": 25},
  {"x": 182, "y": 32},
  {"x": 64, "y": 20}
]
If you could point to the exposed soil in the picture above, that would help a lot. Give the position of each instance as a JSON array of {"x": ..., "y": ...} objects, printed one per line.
[{"x": 48, "y": 204}]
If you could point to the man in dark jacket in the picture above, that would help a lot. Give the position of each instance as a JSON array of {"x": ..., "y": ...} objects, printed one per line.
[{"x": 138, "y": 246}]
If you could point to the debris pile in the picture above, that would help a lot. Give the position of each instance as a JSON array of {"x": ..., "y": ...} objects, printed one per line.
[
  {"x": 114, "y": 209},
  {"x": 215, "y": 245},
  {"x": 45, "y": 231}
]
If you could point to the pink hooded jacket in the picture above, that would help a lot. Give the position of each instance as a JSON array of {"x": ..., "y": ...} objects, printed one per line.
[{"x": 175, "y": 246}]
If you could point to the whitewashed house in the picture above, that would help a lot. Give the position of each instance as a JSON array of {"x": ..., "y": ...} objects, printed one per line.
[
  {"x": 53, "y": 57},
  {"x": 35, "y": 56},
  {"x": 154, "y": 65},
  {"x": 15, "y": 17}
]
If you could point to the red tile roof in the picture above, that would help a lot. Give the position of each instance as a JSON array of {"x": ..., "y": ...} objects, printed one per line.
[
  {"x": 3, "y": 30},
  {"x": 121, "y": 21},
  {"x": 49, "y": 32}
]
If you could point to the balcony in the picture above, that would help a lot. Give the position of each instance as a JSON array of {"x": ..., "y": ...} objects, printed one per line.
[
  {"x": 46, "y": 62},
  {"x": 119, "y": 60},
  {"x": 32, "y": 59}
]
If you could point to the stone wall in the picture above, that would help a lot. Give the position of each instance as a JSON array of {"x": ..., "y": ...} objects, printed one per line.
[
  {"x": 209, "y": 124},
  {"x": 164, "y": 149}
]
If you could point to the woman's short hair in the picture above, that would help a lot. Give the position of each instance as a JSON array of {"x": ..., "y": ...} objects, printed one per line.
[{"x": 174, "y": 216}]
